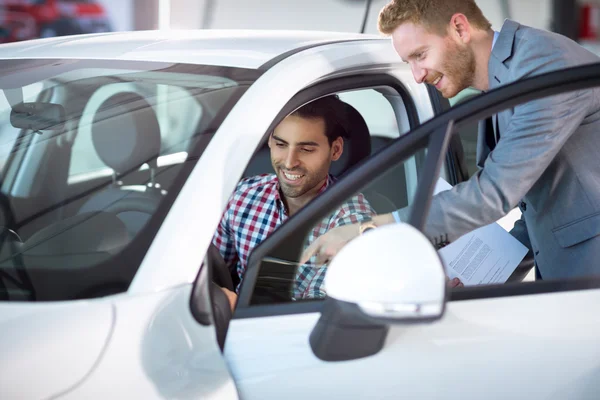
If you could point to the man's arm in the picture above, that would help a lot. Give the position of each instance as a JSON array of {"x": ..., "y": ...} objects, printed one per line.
[
  {"x": 224, "y": 241},
  {"x": 353, "y": 211},
  {"x": 536, "y": 133}
]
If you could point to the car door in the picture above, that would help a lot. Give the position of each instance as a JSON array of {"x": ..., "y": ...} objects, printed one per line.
[{"x": 518, "y": 340}]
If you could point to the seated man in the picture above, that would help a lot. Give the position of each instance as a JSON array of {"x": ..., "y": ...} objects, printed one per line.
[{"x": 302, "y": 148}]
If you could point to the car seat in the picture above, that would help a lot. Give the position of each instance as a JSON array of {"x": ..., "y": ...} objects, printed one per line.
[{"x": 126, "y": 135}]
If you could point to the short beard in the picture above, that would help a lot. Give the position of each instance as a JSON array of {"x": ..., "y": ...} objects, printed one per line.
[
  {"x": 295, "y": 192},
  {"x": 459, "y": 67}
]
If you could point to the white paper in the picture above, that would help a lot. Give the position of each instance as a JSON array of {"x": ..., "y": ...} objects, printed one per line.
[{"x": 486, "y": 255}]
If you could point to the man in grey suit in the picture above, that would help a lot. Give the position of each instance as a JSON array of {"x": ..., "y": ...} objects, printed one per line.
[{"x": 545, "y": 156}]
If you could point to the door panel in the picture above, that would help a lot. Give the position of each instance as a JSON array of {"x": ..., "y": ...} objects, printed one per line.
[
  {"x": 498, "y": 344},
  {"x": 541, "y": 346}
]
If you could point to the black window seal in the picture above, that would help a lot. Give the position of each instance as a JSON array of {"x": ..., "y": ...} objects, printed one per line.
[{"x": 523, "y": 289}]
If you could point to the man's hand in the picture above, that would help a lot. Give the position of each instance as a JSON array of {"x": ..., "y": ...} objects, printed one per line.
[
  {"x": 231, "y": 296},
  {"x": 327, "y": 245},
  {"x": 454, "y": 283}
]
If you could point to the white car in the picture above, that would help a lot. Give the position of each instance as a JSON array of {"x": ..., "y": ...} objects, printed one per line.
[{"x": 119, "y": 153}]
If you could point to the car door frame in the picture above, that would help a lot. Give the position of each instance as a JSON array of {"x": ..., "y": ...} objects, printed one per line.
[
  {"x": 331, "y": 86},
  {"x": 202, "y": 309},
  {"x": 297, "y": 314},
  {"x": 494, "y": 101}
]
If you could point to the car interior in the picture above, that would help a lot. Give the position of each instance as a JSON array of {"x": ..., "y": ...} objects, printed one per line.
[{"x": 61, "y": 231}]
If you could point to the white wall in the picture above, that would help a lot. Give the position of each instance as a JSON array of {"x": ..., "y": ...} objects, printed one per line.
[
  {"x": 120, "y": 13},
  {"x": 328, "y": 15}
]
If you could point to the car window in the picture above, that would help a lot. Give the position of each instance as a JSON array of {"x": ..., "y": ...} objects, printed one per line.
[
  {"x": 280, "y": 278},
  {"x": 558, "y": 232},
  {"x": 374, "y": 122},
  {"x": 377, "y": 112},
  {"x": 468, "y": 133},
  {"x": 93, "y": 153}
]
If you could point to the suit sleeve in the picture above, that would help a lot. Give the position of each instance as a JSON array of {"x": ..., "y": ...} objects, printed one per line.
[{"x": 537, "y": 131}]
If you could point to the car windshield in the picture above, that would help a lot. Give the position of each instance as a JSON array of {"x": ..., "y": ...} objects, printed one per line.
[{"x": 92, "y": 155}]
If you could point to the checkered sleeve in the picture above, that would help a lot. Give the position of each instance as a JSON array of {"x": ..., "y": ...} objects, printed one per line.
[
  {"x": 355, "y": 210},
  {"x": 224, "y": 239}
]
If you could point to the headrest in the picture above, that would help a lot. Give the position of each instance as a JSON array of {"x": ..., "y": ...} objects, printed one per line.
[
  {"x": 357, "y": 141},
  {"x": 357, "y": 146},
  {"x": 126, "y": 133}
]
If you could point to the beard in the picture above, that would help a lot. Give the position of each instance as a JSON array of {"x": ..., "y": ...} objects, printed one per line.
[
  {"x": 309, "y": 181},
  {"x": 459, "y": 69}
]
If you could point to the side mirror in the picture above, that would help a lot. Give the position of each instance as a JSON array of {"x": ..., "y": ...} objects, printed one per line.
[{"x": 391, "y": 274}]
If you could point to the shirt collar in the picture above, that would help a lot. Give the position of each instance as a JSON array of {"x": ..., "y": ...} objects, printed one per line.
[
  {"x": 496, "y": 34},
  {"x": 328, "y": 182}
]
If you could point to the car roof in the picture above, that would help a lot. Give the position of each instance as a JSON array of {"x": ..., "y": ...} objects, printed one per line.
[{"x": 232, "y": 48}]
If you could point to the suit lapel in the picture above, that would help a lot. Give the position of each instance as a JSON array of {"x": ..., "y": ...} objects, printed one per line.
[{"x": 497, "y": 69}]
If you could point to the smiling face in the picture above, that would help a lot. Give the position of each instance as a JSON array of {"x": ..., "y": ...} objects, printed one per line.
[
  {"x": 442, "y": 61},
  {"x": 301, "y": 155}
]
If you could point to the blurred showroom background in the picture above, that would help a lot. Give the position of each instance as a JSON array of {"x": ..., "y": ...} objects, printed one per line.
[{"x": 28, "y": 19}]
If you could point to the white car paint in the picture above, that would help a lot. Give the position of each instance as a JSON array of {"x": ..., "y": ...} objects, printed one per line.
[
  {"x": 146, "y": 344},
  {"x": 395, "y": 288},
  {"x": 158, "y": 351},
  {"x": 182, "y": 245},
  {"x": 238, "y": 48},
  {"x": 154, "y": 348},
  {"x": 62, "y": 341},
  {"x": 522, "y": 347}
]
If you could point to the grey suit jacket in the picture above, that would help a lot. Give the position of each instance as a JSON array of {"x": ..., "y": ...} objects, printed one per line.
[{"x": 546, "y": 160}]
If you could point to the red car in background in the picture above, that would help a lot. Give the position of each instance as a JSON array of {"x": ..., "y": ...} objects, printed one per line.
[
  {"x": 50, "y": 18},
  {"x": 16, "y": 26}
]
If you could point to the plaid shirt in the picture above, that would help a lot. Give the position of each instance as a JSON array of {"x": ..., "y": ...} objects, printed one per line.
[{"x": 256, "y": 209}]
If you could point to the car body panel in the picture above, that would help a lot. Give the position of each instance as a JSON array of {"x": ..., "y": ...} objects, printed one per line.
[
  {"x": 157, "y": 350},
  {"x": 237, "y": 48},
  {"x": 145, "y": 343},
  {"x": 542, "y": 347},
  {"x": 64, "y": 341},
  {"x": 182, "y": 246}
]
